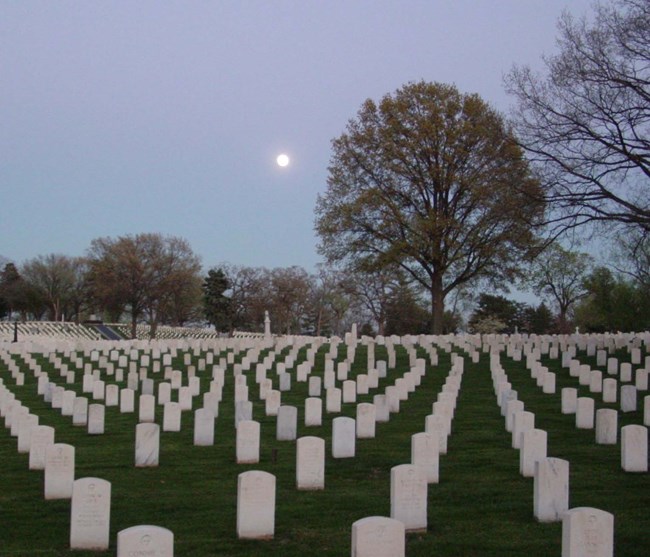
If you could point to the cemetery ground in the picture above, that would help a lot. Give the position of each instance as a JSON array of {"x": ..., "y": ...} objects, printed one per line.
[{"x": 481, "y": 506}]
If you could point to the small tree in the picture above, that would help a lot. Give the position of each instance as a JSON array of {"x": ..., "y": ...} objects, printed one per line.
[{"x": 558, "y": 275}]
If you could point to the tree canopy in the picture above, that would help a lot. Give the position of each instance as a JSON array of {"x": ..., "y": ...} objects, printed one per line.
[
  {"x": 432, "y": 180},
  {"x": 142, "y": 273},
  {"x": 558, "y": 275}
]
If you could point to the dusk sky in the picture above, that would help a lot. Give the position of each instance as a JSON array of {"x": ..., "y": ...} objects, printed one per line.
[{"x": 121, "y": 117}]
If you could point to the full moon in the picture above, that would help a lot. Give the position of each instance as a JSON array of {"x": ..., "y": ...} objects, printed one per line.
[{"x": 282, "y": 160}]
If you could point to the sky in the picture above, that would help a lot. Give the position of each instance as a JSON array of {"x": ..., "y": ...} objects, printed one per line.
[{"x": 122, "y": 117}]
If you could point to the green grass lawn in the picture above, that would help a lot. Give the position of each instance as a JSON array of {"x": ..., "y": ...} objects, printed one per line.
[{"x": 481, "y": 507}]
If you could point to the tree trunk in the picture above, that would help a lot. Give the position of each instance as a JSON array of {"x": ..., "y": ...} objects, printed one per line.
[
  {"x": 437, "y": 304},
  {"x": 134, "y": 323}
]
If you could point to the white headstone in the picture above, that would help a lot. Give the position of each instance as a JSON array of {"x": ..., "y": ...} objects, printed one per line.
[
  {"x": 378, "y": 536},
  {"x": 145, "y": 541},
  {"x": 343, "y": 437},
  {"x": 533, "y": 448},
  {"x": 349, "y": 391},
  {"x": 80, "y": 411},
  {"x": 310, "y": 463},
  {"x": 59, "y": 471},
  {"x": 551, "y": 489},
  {"x": 147, "y": 445},
  {"x": 569, "y": 400},
  {"x": 127, "y": 401},
  {"x": 287, "y": 423},
  {"x": 606, "y": 426},
  {"x": 147, "y": 408},
  {"x": 203, "y": 427},
  {"x": 333, "y": 400},
  {"x": 248, "y": 442},
  {"x": 90, "y": 514},
  {"x": 634, "y": 448},
  {"x": 408, "y": 497},
  {"x": 438, "y": 426},
  {"x": 25, "y": 425},
  {"x": 610, "y": 390},
  {"x": 255, "y": 505},
  {"x": 587, "y": 532},
  {"x": 313, "y": 412},
  {"x": 425, "y": 453},
  {"x": 96, "y": 413},
  {"x": 365, "y": 420},
  {"x": 172, "y": 417},
  {"x": 628, "y": 398},
  {"x": 585, "y": 413},
  {"x": 42, "y": 436}
]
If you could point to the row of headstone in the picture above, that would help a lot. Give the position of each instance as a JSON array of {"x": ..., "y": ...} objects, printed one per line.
[
  {"x": 585, "y": 531},
  {"x": 634, "y": 453}
]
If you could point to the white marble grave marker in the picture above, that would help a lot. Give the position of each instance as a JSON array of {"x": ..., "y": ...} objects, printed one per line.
[
  {"x": 90, "y": 514},
  {"x": 172, "y": 417},
  {"x": 408, "y": 497},
  {"x": 96, "y": 414},
  {"x": 203, "y": 427},
  {"x": 425, "y": 453},
  {"x": 80, "y": 411},
  {"x": 628, "y": 398},
  {"x": 585, "y": 413},
  {"x": 569, "y": 400},
  {"x": 310, "y": 463},
  {"x": 145, "y": 541},
  {"x": 255, "y": 505},
  {"x": 248, "y": 442},
  {"x": 606, "y": 426},
  {"x": 551, "y": 489},
  {"x": 147, "y": 408},
  {"x": 634, "y": 448},
  {"x": 366, "y": 420},
  {"x": 343, "y": 437},
  {"x": 378, "y": 536},
  {"x": 59, "y": 471},
  {"x": 127, "y": 401},
  {"x": 533, "y": 448},
  {"x": 287, "y": 423},
  {"x": 147, "y": 445},
  {"x": 313, "y": 412},
  {"x": 587, "y": 532}
]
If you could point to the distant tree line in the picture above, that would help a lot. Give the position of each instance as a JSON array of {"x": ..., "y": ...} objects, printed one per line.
[{"x": 156, "y": 279}]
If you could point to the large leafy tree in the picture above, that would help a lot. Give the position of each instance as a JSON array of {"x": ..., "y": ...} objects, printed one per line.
[
  {"x": 432, "y": 180},
  {"x": 143, "y": 273},
  {"x": 585, "y": 123}
]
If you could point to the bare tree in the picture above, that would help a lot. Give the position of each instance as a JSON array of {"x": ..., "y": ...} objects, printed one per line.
[{"x": 585, "y": 124}]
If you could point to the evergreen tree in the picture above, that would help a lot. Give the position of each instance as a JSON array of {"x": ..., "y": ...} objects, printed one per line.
[{"x": 217, "y": 306}]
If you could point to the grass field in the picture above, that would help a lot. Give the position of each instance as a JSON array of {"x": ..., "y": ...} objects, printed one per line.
[{"x": 481, "y": 507}]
